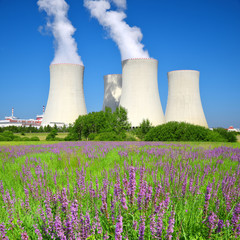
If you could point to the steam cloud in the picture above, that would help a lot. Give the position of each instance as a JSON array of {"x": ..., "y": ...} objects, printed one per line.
[
  {"x": 62, "y": 29},
  {"x": 127, "y": 38}
]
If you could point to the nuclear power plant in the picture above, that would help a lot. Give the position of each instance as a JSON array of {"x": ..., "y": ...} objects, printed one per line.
[
  {"x": 112, "y": 91},
  {"x": 136, "y": 89},
  {"x": 140, "y": 96},
  {"x": 184, "y": 102},
  {"x": 66, "y": 96}
]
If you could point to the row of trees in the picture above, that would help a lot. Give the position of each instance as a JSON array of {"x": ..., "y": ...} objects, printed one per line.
[
  {"x": 30, "y": 129},
  {"x": 114, "y": 126}
]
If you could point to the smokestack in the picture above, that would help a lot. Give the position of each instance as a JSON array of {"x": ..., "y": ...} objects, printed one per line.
[
  {"x": 12, "y": 112},
  {"x": 43, "y": 109},
  {"x": 184, "y": 102},
  {"x": 112, "y": 91},
  {"x": 66, "y": 97},
  {"x": 140, "y": 94}
]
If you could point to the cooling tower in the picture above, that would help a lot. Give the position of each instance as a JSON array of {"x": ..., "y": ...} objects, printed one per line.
[
  {"x": 112, "y": 91},
  {"x": 140, "y": 94},
  {"x": 66, "y": 97},
  {"x": 184, "y": 102}
]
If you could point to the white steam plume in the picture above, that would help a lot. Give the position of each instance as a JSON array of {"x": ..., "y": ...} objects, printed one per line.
[
  {"x": 127, "y": 38},
  {"x": 62, "y": 29},
  {"x": 120, "y": 3}
]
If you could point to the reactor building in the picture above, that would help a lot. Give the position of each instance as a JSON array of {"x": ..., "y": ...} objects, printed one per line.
[
  {"x": 184, "y": 102},
  {"x": 140, "y": 96},
  {"x": 66, "y": 96},
  {"x": 112, "y": 91}
]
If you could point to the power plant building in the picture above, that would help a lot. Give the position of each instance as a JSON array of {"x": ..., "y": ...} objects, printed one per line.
[
  {"x": 112, "y": 91},
  {"x": 66, "y": 96},
  {"x": 184, "y": 102},
  {"x": 140, "y": 94}
]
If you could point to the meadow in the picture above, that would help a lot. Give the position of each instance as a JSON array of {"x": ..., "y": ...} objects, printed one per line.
[{"x": 120, "y": 190}]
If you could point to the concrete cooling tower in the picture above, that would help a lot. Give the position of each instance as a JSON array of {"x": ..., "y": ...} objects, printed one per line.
[
  {"x": 140, "y": 94},
  {"x": 184, "y": 102},
  {"x": 112, "y": 91},
  {"x": 66, "y": 97}
]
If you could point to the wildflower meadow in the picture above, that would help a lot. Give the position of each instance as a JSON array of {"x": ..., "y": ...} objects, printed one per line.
[{"x": 119, "y": 190}]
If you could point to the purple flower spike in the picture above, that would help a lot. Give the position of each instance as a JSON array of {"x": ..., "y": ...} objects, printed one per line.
[
  {"x": 207, "y": 198},
  {"x": 236, "y": 217},
  {"x": 119, "y": 229},
  {"x": 3, "y": 232},
  {"x": 123, "y": 201},
  {"x": 132, "y": 184},
  {"x": 170, "y": 226},
  {"x": 141, "y": 228},
  {"x": 24, "y": 236}
]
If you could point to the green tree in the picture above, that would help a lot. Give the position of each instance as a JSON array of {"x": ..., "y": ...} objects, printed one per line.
[
  {"x": 52, "y": 135},
  {"x": 144, "y": 128}
]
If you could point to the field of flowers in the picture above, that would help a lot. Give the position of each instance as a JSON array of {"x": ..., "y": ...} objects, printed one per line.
[{"x": 119, "y": 190}]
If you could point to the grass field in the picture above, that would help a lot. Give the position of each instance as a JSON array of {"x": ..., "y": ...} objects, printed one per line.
[{"x": 120, "y": 190}]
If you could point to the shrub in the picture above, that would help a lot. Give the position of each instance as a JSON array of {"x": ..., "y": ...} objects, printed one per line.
[
  {"x": 34, "y": 139},
  {"x": 17, "y": 138},
  {"x": 25, "y": 139},
  {"x": 108, "y": 136},
  {"x": 8, "y": 134},
  {"x": 71, "y": 137},
  {"x": 58, "y": 139},
  {"x": 92, "y": 136},
  {"x": 52, "y": 135},
  {"x": 229, "y": 136},
  {"x": 175, "y": 131},
  {"x": 3, "y": 138}
]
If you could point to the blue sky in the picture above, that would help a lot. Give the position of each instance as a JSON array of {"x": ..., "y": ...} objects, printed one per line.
[{"x": 201, "y": 35}]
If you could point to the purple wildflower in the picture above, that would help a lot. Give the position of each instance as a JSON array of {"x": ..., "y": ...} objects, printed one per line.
[
  {"x": 119, "y": 228},
  {"x": 170, "y": 226},
  {"x": 207, "y": 198},
  {"x": 212, "y": 222},
  {"x": 135, "y": 225},
  {"x": 132, "y": 184},
  {"x": 3, "y": 232},
  {"x": 141, "y": 228},
  {"x": 24, "y": 236},
  {"x": 123, "y": 201},
  {"x": 220, "y": 226},
  {"x": 236, "y": 216}
]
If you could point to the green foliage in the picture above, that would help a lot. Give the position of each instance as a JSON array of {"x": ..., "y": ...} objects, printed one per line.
[
  {"x": 34, "y": 139},
  {"x": 100, "y": 125},
  {"x": 52, "y": 135},
  {"x": 108, "y": 136},
  {"x": 143, "y": 129},
  {"x": 229, "y": 136},
  {"x": 26, "y": 139},
  {"x": 175, "y": 131}
]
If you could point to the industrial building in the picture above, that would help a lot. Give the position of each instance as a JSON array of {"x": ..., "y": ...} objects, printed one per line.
[
  {"x": 140, "y": 96},
  {"x": 66, "y": 97},
  {"x": 112, "y": 91},
  {"x": 17, "y": 122},
  {"x": 184, "y": 102}
]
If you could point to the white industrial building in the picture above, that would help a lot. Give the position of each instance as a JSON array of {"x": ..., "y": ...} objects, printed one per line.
[
  {"x": 184, "y": 102},
  {"x": 140, "y": 96},
  {"x": 112, "y": 91},
  {"x": 66, "y": 97}
]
